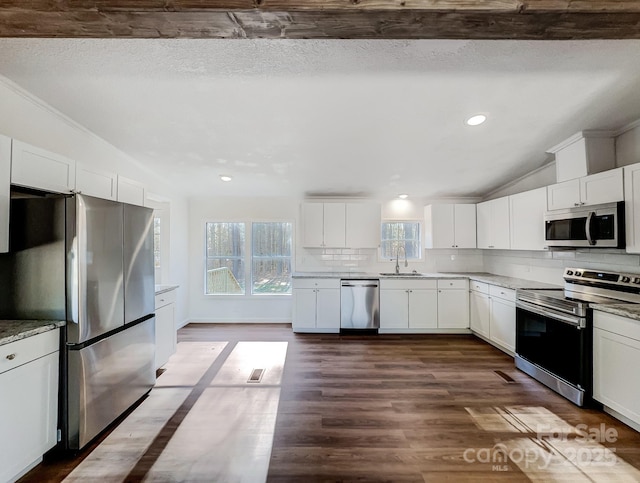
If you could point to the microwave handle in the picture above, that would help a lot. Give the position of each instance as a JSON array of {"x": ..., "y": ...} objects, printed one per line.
[{"x": 587, "y": 228}]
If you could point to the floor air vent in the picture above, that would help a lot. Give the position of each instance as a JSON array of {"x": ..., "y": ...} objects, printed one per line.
[
  {"x": 508, "y": 379},
  {"x": 256, "y": 375}
]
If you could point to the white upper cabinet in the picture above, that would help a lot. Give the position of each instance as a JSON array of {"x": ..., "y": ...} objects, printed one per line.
[
  {"x": 130, "y": 191},
  {"x": 313, "y": 224},
  {"x": 37, "y": 168},
  {"x": 5, "y": 187},
  {"x": 493, "y": 224},
  {"x": 334, "y": 225},
  {"x": 362, "y": 225},
  {"x": 96, "y": 182},
  {"x": 323, "y": 225},
  {"x": 632, "y": 206},
  {"x": 526, "y": 211},
  {"x": 584, "y": 153},
  {"x": 450, "y": 226},
  {"x": 340, "y": 225},
  {"x": 605, "y": 187}
]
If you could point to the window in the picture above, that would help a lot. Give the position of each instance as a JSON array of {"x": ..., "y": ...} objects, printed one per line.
[
  {"x": 266, "y": 270},
  {"x": 225, "y": 269},
  {"x": 271, "y": 258},
  {"x": 399, "y": 235}
]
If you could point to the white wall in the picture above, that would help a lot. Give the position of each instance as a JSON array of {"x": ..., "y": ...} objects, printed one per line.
[
  {"x": 238, "y": 308},
  {"x": 29, "y": 119}
]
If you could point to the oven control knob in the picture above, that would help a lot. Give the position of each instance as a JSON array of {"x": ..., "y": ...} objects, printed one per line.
[
  {"x": 569, "y": 272},
  {"x": 636, "y": 280},
  {"x": 625, "y": 280},
  {"x": 578, "y": 274}
]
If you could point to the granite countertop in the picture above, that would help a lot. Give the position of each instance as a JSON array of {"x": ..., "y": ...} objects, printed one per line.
[
  {"x": 505, "y": 282},
  {"x": 631, "y": 311},
  {"x": 509, "y": 282},
  {"x": 13, "y": 330},
  {"x": 165, "y": 288}
]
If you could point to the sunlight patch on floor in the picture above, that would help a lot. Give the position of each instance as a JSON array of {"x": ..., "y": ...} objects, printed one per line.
[
  {"x": 549, "y": 449},
  {"x": 227, "y": 434}
]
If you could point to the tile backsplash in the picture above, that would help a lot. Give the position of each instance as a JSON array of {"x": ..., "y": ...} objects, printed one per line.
[
  {"x": 541, "y": 266},
  {"x": 548, "y": 266}
]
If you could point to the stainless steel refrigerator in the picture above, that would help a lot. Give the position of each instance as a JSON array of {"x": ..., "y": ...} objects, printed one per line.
[{"x": 90, "y": 261}]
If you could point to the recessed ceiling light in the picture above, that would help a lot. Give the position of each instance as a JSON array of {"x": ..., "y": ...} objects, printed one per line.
[
  {"x": 476, "y": 120},
  {"x": 225, "y": 178},
  {"x": 403, "y": 196}
]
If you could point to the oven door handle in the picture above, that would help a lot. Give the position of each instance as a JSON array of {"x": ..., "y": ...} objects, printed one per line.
[{"x": 578, "y": 322}]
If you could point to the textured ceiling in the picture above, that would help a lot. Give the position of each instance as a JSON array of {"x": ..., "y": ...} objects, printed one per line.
[{"x": 289, "y": 117}]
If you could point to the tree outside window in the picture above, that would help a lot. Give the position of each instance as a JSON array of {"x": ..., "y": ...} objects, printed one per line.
[
  {"x": 271, "y": 258},
  {"x": 225, "y": 269},
  {"x": 399, "y": 235}
]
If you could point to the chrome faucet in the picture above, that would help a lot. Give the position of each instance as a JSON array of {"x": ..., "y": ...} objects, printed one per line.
[{"x": 406, "y": 263}]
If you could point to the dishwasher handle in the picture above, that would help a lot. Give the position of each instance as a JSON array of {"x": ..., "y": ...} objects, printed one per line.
[{"x": 359, "y": 283}]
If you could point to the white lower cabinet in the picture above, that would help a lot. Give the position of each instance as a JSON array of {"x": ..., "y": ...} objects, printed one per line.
[
  {"x": 408, "y": 305},
  {"x": 316, "y": 305},
  {"x": 479, "y": 308},
  {"x": 492, "y": 314},
  {"x": 616, "y": 354},
  {"x": 414, "y": 306},
  {"x": 29, "y": 402},
  {"x": 453, "y": 304},
  {"x": 165, "y": 327}
]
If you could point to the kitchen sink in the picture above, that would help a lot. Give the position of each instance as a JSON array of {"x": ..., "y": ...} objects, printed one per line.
[{"x": 394, "y": 274}]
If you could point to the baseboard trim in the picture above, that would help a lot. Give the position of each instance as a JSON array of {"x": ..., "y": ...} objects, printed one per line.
[{"x": 213, "y": 320}]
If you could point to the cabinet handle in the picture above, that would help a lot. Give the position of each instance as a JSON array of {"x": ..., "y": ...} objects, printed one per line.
[
  {"x": 576, "y": 204},
  {"x": 161, "y": 300},
  {"x": 11, "y": 356}
]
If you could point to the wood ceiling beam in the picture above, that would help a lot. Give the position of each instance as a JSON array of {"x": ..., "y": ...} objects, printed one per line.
[{"x": 323, "y": 19}]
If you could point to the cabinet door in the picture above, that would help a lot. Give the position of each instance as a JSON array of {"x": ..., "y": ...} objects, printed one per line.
[
  {"x": 465, "y": 226},
  {"x": 440, "y": 226},
  {"x": 130, "y": 191},
  {"x": 328, "y": 309},
  {"x": 304, "y": 309},
  {"x": 563, "y": 195},
  {"x": 423, "y": 309},
  {"x": 165, "y": 334},
  {"x": 632, "y": 206},
  {"x": 5, "y": 182},
  {"x": 362, "y": 225},
  {"x": 500, "y": 234},
  {"x": 28, "y": 414},
  {"x": 37, "y": 168},
  {"x": 453, "y": 309},
  {"x": 503, "y": 323},
  {"x": 483, "y": 211},
  {"x": 96, "y": 182},
  {"x": 527, "y": 219},
  {"x": 313, "y": 225},
  {"x": 394, "y": 309},
  {"x": 613, "y": 355},
  {"x": 605, "y": 187},
  {"x": 479, "y": 313},
  {"x": 334, "y": 225}
]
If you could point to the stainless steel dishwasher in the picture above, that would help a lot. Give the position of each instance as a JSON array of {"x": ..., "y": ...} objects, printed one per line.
[{"x": 359, "y": 304}]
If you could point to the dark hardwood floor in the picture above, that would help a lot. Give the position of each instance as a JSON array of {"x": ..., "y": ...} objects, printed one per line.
[{"x": 414, "y": 409}]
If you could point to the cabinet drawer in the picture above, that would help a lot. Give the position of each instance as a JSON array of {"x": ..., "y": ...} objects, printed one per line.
[
  {"x": 165, "y": 298},
  {"x": 618, "y": 325},
  {"x": 407, "y": 284},
  {"x": 502, "y": 293},
  {"x": 22, "y": 351},
  {"x": 459, "y": 283},
  {"x": 316, "y": 283},
  {"x": 479, "y": 286}
]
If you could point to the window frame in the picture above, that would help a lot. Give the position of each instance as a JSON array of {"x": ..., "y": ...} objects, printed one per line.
[
  {"x": 243, "y": 258},
  {"x": 248, "y": 256},
  {"x": 290, "y": 257},
  {"x": 420, "y": 224}
]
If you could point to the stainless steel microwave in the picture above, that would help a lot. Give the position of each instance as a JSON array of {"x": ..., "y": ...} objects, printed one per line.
[{"x": 596, "y": 226}]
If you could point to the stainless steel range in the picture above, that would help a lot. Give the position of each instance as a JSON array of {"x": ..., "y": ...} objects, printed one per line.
[{"x": 554, "y": 328}]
